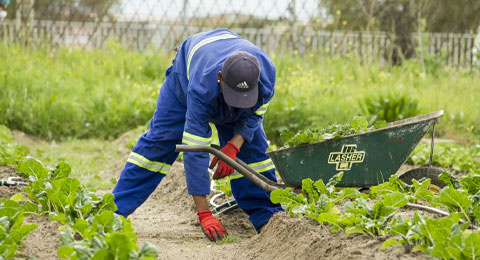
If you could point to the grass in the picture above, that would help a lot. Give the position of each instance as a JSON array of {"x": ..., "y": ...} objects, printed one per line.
[
  {"x": 70, "y": 94},
  {"x": 74, "y": 93},
  {"x": 95, "y": 162},
  {"x": 316, "y": 92}
]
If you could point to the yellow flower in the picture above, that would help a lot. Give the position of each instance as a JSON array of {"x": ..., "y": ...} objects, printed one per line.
[
  {"x": 339, "y": 12},
  {"x": 344, "y": 22}
]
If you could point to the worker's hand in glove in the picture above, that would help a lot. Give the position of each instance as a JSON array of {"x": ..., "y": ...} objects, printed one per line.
[
  {"x": 211, "y": 227},
  {"x": 224, "y": 169}
]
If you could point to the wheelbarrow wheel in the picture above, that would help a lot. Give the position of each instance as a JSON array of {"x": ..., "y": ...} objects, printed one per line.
[{"x": 425, "y": 172}]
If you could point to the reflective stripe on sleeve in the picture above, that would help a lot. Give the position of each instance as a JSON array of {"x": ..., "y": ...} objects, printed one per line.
[
  {"x": 259, "y": 167},
  {"x": 203, "y": 42},
  {"x": 261, "y": 110},
  {"x": 143, "y": 162},
  {"x": 195, "y": 139}
]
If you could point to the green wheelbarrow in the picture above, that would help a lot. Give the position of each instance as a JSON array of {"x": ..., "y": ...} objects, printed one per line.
[{"x": 366, "y": 159}]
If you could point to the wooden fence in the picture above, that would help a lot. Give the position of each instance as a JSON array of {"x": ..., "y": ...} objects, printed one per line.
[{"x": 454, "y": 50}]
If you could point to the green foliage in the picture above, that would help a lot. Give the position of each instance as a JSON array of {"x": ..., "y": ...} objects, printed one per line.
[
  {"x": 318, "y": 199},
  {"x": 443, "y": 238},
  {"x": 413, "y": 193},
  {"x": 64, "y": 198},
  {"x": 390, "y": 106},
  {"x": 458, "y": 158},
  {"x": 446, "y": 238},
  {"x": 104, "y": 236},
  {"x": 102, "y": 93},
  {"x": 78, "y": 93},
  {"x": 224, "y": 186},
  {"x": 311, "y": 135},
  {"x": 12, "y": 229},
  {"x": 10, "y": 153}
]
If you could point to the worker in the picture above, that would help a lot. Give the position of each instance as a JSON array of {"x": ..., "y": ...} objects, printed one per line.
[
  {"x": 4, "y": 4},
  {"x": 216, "y": 77}
]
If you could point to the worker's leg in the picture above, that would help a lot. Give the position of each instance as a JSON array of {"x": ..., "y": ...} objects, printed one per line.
[
  {"x": 253, "y": 200},
  {"x": 153, "y": 154}
]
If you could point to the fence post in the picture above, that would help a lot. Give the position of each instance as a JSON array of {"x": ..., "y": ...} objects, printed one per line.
[{"x": 25, "y": 20}]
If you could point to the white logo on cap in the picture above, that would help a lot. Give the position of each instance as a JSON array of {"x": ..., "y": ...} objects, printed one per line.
[{"x": 242, "y": 85}]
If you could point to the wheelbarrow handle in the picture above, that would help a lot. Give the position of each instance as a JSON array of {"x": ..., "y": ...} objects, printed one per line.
[{"x": 255, "y": 177}]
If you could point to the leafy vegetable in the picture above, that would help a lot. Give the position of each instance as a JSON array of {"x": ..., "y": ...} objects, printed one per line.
[
  {"x": 312, "y": 135},
  {"x": 105, "y": 236},
  {"x": 12, "y": 229},
  {"x": 454, "y": 156},
  {"x": 60, "y": 196}
]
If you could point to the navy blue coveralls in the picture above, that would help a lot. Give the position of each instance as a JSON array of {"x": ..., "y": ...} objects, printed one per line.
[{"x": 190, "y": 99}]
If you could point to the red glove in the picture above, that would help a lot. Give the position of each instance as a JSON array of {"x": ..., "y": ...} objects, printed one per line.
[
  {"x": 211, "y": 227},
  {"x": 224, "y": 169}
]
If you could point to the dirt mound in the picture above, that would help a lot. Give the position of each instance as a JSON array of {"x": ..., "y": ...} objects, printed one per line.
[
  {"x": 44, "y": 241},
  {"x": 286, "y": 237}
]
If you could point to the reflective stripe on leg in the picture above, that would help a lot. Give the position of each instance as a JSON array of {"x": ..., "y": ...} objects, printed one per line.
[{"x": 143, "y": 162}]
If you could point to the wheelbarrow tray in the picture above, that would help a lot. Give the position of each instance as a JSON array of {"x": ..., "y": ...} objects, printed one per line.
[{"x": 366, "y": 159}]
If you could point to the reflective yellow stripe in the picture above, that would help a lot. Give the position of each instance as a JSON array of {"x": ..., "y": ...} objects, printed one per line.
[
  {"x": 200, "y": 44},
  {"x": 143, "y": 162},
  {"x": 261, "y": 110},
  {"x": 195, "y": 139},
  {"x": 262, "y": 166},
  {"x": 235, "y": 175}
]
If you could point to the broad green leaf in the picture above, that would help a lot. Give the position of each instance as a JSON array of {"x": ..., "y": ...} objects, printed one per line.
[
  {"x": 107, "y": 203},
  {"x": 120, "y": 246},
  {"x": 321, "y": 186},
  {"x": 33, "y": 167},
  {"x": 299, "y": 209},
  {"x": 380, "y": 124},
  {"x": 66, "y": 252},
  {"x": 148, "y": 250},
  {"x": 61, "y": 171},
  {"x": 455, "y": 200},
  {"x": 395, "y": 199},
  {"x": 286, "y": 198},
  {"x": 67, "y": 237},
  {"x": 359, "y": 123},
  {"x": 29, "y": 208},
  {"x": 471, "y": 183},
  {"x": 26, "y": 229},
  {"x": 60, "y": 217},
  {"x": 103, "y": 254},
  {"x": 286, "y": 135},
  {"x": 82, "y": 227},
  {"x": 472, "y": 245},
  {"x": 309, "y": 189},
  {"x": 449, "y": 180},
  {"x": 19, "y": 197},
  {"x": 9, "y": 208}
]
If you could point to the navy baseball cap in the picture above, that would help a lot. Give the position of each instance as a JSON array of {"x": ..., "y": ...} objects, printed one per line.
[{"x": 240, "y": 74}]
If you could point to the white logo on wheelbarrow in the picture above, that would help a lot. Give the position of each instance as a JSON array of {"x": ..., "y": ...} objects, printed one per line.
[{"x": 345, "y": 158}]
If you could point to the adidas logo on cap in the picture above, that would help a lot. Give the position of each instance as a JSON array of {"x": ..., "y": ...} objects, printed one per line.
[{"x": 243, "y": 85}]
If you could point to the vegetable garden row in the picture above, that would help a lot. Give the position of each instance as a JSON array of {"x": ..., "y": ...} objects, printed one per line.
[
  {"x": 92, "y": 231},
  {"x": 90, "y": 228}
]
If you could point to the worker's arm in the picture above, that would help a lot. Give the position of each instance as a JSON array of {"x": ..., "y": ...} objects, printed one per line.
[{"x": 197, "y": 131}]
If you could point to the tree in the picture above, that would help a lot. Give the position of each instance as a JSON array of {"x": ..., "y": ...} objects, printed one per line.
[
  {"x": 401, "y": 18},
  {"x": 71, "y": 10},
  {"x": 395, "y": 16}
]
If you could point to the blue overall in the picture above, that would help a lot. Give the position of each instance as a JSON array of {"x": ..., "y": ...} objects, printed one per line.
[{"x": 190, "y": 99}]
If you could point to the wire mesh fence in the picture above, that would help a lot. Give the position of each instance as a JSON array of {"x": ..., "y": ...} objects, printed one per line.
[{"x": 293, "y": 26}]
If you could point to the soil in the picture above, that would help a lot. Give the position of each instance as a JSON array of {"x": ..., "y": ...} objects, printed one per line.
[{"x": 168, "y": 220}]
